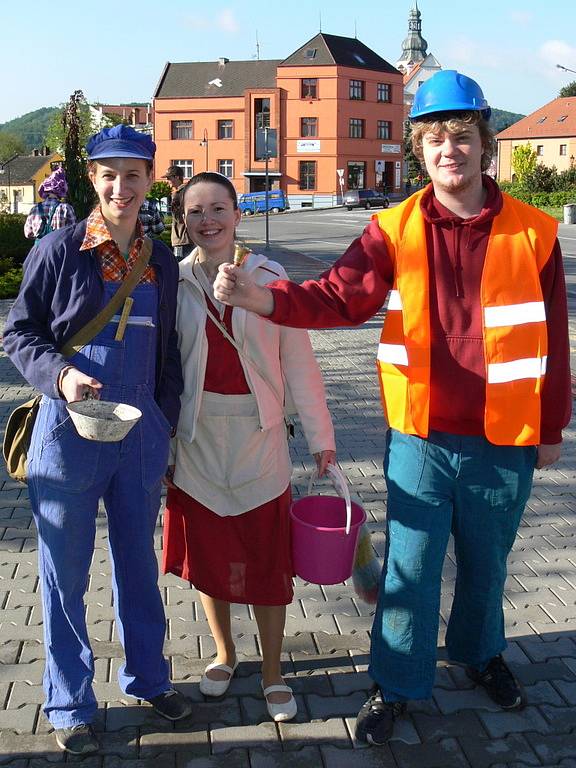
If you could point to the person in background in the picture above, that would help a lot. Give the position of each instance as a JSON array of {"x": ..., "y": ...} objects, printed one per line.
[
  {"x": 53, "y": 212},
  {"x": 181, "y": 243},
  {"x": 474, "y": 371},
  {"x": 151, "y": 217},
  {"x": 69, "y": 276},
  {"x": 226, "y": 526}
]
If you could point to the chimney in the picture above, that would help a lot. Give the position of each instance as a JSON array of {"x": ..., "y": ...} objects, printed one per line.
[{"x": 222, "y": 61}]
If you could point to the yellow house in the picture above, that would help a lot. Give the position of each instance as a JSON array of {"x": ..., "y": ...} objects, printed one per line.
[
  {"x": 551, "y": 131},
  {"x": 21, "y": 177}
]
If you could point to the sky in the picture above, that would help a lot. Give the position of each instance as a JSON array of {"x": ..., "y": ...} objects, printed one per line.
[{"x": 115, "y": 52}]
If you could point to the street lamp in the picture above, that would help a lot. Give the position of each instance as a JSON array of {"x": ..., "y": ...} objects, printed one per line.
[
  {"x": 566, "y": 69},
  {"x": 204, "y": 143}
]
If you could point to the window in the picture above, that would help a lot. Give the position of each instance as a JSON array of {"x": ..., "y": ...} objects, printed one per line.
[
  {"x": 357, "y": 89},
  {"x": 226, "y": 168},
  {"x": 186, "y": 165},
  {"x": 262, "y": 113},
  {"x": 356, "y": 174},
  {"x": 182, "y": 129},
  {"x": 562, "y": 118},
  {"x": 384, "y": 129},
  {"x": 383, "y": 92},
  {"x": 309, "y": 88},
  {"x": 563, "y": 149},
  {"x": 541, "y": 120},
  {"x": 310, "y": 53},
  {"x": 540, "y": 150},
  {"x": 308, "y": 126},
  {"x": 225, "y": 129},
  {"x": 356, "y": 130},
  {"x": 307, "y": 174}
]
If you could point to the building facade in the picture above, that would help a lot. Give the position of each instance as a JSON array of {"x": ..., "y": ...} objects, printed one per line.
[
  {"x": 550, "y": 131},
  {"x": 332, "y": 112},
  {"x": 21, "y": 177}
]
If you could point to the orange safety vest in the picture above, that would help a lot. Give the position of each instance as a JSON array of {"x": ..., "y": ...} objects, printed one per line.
[{"x": 513, "y": 321}]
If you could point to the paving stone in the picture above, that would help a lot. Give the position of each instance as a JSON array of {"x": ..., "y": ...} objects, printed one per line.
[
  {"x": 236, "y": 758},
  {"x": 486, "y": 753},
  {"x": 262, "y": 735},
  {"x": 454, "y": 701},
  {"x": 193, "y": 742},
  {"x": 551, "y": 748},
  {"x": 20, "y": 720},
  {"x": 297, "y": 735},
  {"x": 375, "y": 757},
  {"x": 501, "y": 723},
  {"x": 324, "y": 707},
  {"x": 438, "y": 727},
  {"x": 561, "y": 719},
  {"x": 307, "y": 757},
  {"x": 442, "y": 754},
  {"x": 529, "y": 674}
]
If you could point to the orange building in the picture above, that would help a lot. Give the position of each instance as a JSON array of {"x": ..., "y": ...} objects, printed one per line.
[{"x": 334, "y": 106}]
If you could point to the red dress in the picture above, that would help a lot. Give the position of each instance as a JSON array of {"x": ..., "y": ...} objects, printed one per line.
[{"x": 238, "y": 559}]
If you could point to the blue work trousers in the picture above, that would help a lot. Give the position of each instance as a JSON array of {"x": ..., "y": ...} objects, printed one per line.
[
  {"x": 68, "y": 475},
  {"x": 445, "y": 484}
]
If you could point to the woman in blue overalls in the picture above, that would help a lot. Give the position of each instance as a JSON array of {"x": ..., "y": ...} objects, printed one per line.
[{"x": 68, "y": 277}]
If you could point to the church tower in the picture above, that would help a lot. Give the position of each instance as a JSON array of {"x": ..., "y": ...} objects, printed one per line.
[{"x": 414, "y": 47}]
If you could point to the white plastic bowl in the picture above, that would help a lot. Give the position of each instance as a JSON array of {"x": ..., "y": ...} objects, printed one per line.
[{"x": 103, "y": 420}]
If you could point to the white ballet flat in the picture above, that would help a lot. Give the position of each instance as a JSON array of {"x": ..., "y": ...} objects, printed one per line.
[
  {"x": 280, "y": 712},
  {"x": 211, "y": 687}
]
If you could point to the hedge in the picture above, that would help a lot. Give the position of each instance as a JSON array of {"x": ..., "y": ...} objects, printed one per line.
[
  {"x": 13, "y": 244},
  {"x": 540, "y": 199}
]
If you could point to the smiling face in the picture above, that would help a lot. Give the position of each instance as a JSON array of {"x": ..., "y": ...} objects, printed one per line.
[
  {"x": 453, "y": 159},
  {"x": 211, "y": 218},
  {"x": 121, "y": 184}
]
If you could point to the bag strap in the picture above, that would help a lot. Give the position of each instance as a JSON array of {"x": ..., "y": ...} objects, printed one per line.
[{"x": 93, "y": 328}]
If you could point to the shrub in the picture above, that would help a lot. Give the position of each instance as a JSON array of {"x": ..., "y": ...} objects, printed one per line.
[
  {"x": 10, "y": 283},
  {"x": 13, "y": 244}
]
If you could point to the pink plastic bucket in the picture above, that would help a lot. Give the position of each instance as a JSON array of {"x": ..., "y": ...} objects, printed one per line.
[{"x": 324, "y": 533}]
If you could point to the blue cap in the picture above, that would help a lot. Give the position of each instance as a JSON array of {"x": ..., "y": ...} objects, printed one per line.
[
  {"x": 449, "y": 91},
  {"x": 120, "y": 141}
]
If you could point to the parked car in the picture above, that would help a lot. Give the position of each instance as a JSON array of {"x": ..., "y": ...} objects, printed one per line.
[
  {"x": 255, "y": 202},
  {"x": 365, "y": 198}
]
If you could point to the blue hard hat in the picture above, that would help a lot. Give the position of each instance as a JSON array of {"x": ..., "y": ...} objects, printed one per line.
[
  {"x": 449, "y": 91},
  {"x": 120, "y": 141}
]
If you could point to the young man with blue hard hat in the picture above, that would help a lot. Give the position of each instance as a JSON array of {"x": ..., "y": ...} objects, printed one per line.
[
  {"x": 69, "y": 276},
  {"x": 473, "y": 363}
]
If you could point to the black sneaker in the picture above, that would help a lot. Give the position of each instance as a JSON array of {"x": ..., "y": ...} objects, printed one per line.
[
  {"x": 171, "y": 704},
  {"x": 375, "y": 720},
  {"x": 499, "y": 683},
  {"x": 77, "y": 740}
]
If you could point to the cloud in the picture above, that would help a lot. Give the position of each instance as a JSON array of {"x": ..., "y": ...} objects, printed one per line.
[
  {"x": 224, "y": 22},
  {"x": 227, "y": 21},
  {"x": 523, "y": 18},
  {"x": 554, "y": 52}
]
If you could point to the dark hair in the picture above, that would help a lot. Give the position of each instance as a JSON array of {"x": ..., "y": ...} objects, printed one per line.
[{"x": 213, "y": 178}]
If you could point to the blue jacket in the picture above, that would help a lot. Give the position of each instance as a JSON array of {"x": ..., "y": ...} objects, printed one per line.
[{"x": 61, "y": 292}]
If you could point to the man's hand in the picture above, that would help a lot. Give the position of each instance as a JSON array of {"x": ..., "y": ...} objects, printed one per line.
[
  {"x": 235, "y": 287},
  {"x": 548, "y": 454},
  {"x": 168, "y": 479},
  {"x": 75, "y": 385}
]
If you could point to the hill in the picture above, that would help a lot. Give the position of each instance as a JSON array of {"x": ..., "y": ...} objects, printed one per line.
[
  {"x": 502, "y": 119},
  {"x": 31, "y": 127}
]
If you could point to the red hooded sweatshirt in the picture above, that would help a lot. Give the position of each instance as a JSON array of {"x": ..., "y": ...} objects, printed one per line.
[{"x": 355, "y": 288}]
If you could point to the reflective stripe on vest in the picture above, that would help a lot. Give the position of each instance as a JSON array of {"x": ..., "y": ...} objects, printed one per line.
[{"x": 514, "y": 322}]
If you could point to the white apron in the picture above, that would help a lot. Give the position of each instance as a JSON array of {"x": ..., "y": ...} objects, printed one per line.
[{"x": 232, "y": 466}]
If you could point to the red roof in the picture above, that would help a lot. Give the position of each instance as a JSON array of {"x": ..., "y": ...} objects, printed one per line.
[{"x": 554, "y": 120}]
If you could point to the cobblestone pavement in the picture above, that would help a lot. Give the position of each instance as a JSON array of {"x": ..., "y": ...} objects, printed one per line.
[{"x": 327, "y": 632}]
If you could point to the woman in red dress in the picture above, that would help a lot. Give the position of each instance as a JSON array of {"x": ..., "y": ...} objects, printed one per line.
[{"x": 226, "y": 525}]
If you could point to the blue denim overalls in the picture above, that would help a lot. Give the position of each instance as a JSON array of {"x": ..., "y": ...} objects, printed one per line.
[{"x": 68, "y": 475}]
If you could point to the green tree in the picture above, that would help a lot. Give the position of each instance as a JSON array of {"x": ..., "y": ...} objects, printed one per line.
[
  {"x": 568, "y": 90},
  {"x": 10, "y": 145},
  {"x": 80, "y": 190},
  {"x": 524, "y": 160},
  {"x": 413, "y": 165},
  {"x": 160, "y": 190}
]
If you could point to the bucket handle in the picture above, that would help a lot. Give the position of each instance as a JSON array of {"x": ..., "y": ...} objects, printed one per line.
[{"x": 340, "y": 485}]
